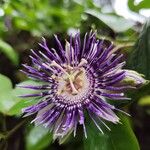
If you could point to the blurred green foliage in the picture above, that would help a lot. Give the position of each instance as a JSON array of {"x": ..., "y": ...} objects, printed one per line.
[
  {"x": 144, "y": 4},
  {"x": 144, "y": 101},
  {"x": 23, "y": 22},
  {"x": 9, "y": 51},
  {"x": 43, "y": 17}
]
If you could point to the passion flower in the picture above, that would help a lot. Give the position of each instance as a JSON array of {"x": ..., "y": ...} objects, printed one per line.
[{"x": 78, "y": 77}]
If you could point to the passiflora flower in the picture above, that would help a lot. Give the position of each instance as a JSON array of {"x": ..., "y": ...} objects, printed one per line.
[{"x": 78, "y": 77}]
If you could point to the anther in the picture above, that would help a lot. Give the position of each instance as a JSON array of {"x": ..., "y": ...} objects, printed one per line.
[
  {"x": 83, "y": 62},
  {"x": 54, "y": 64}
]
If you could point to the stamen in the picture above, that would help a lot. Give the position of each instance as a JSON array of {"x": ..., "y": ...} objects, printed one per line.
[
  {"x": 58, "y": 66},
  {"x": 74, "y": 90},
  {"x": 67, "y": 52},
  {"x": 83, "y": 62},
  {"x": 78, "y": 72}
]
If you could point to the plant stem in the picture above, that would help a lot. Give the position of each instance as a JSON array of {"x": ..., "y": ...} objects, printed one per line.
[{"x": 12, "y": 131}]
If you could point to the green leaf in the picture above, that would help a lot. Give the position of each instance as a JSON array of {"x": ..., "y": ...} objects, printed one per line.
[
  {"x": 116, "y": 23},
  {"x": 144, "y": 4},
  {"x": 144, "y": 101},
  {"x": 38, "y": 138},
  {"x": 6, "y": 98},
  {"x": 10, "y": 102},
  {"x": 5, "y": 83},
  {"x": 9, "y": 52},
  {"x": 121, "y": 137},
  {"x": 139, "y": 59},
  {"x": 22, "y": 102}
]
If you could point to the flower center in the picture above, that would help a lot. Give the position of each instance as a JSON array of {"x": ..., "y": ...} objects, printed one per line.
[{"x": 73, "y": 83}]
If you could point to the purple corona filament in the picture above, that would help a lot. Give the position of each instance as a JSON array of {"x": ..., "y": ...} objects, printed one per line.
[{"x": 78, "y": 77}]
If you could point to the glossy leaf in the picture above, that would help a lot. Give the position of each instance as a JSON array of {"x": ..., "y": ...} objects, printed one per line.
[
  {"x": 10, "y": 102},
  {"x": 6, "y": 98},
  {"x": 121, "y": 137},
  {"x": 22, "y": 102},
  {"x": 116, "y": 23},
  {"x": 38, "y": 138},
  {"x": 140, "y": 58}
]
